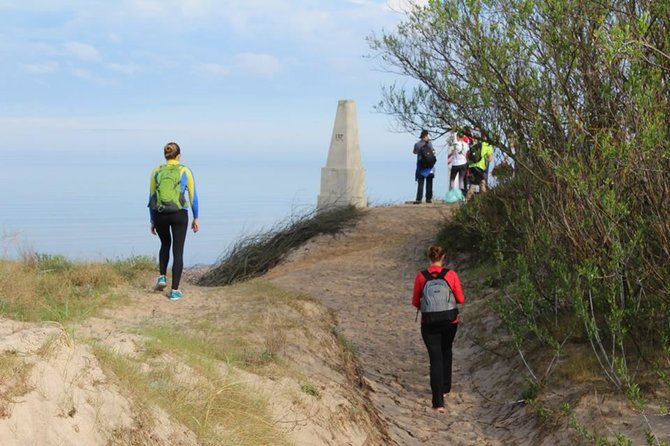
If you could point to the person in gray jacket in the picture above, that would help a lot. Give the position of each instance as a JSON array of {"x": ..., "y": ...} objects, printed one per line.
[{"x": 425, "y": 163}]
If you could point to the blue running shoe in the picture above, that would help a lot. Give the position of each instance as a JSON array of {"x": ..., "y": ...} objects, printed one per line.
[
  {"x": 175, "y": 295},
  {"x": 161, "y": 283}
]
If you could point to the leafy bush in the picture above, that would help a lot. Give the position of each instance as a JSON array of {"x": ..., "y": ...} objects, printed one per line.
[{"x": 576, "y": 93}]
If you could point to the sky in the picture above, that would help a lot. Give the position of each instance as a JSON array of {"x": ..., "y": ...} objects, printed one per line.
[{"x": 230, "y": 77}]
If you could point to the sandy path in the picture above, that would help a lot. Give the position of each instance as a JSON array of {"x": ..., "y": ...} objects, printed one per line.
[{"x": 366, "y": 278}]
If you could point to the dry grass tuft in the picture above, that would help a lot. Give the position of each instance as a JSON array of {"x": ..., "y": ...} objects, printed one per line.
[
  {"x": 253, "y": 256},
  {"x": 14, "y": 372}
]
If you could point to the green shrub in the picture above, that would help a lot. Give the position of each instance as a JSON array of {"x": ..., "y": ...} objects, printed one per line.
[
  {"x": 129, "y": 268},
  {"x": 47, "y": 263}
]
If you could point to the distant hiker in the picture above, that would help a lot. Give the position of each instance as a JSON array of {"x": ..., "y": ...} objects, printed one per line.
[
  {"x": 485, "y": 138},
  {"x": 459, "y": 162},
  {"x": 425, "y": 163},
  {"x": 479, "y": 156},
  {"x": 168, "y": 206},
  {"x": 436, "y": 292}
]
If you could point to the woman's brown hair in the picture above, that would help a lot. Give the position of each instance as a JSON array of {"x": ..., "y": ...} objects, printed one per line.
[
  {"x": 171, "y": 150},
  {"x": 435, "y": 253}
]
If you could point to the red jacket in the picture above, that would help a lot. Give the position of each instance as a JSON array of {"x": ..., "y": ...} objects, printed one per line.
[{"x": 451, "y": 278}]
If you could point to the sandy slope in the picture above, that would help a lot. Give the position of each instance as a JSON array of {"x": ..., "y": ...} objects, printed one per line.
[
  {"x": 366, "y": 277},
  {"x": 66, "y": 397},
  {"x": 363, "y": 279}
]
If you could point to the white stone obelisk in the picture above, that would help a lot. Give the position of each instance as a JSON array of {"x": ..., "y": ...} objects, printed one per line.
[{"x": 343, "y": 178}]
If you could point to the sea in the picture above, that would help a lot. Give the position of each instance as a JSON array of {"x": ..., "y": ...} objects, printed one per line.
[{"x": 92, "y": 205}]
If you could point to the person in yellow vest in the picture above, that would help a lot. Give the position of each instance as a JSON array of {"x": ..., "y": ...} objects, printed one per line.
[{"x": 479, "y": 157}]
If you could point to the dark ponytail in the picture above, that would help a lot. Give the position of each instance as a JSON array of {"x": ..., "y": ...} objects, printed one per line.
[{"x": 435, "y": 253}]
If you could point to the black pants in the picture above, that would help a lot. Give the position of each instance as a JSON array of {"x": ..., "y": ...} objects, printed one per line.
[
  {"x": 461, "y": 171},
  {"x": 429, "y": 187},
  {"x": 171, "y": 229},
  {"x": 477, "y": 175},
  {"x": 439, "y": 337}
]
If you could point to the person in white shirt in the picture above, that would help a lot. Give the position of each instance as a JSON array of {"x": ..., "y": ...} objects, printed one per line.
[{"x": 459, "y": 162}]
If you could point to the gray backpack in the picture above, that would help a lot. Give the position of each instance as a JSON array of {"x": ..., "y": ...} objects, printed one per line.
[{"x": 437, "y": 299}]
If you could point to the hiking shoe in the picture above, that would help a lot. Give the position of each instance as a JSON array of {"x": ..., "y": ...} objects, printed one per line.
[
  {"x": 175, "y": 295},
  {"x": 161, "y": 283}
]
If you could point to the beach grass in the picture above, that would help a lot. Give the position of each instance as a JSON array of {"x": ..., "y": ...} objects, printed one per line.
[
  {"x": 256, "y": 254},
  {"x": 14, "y": 371},
  {"x": 217, "y": 407},
  {"x": 203, "y": 370},
  {"x": 44, "y": 287}
]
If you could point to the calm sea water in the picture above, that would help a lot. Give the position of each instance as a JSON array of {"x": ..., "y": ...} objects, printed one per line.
[{"x": 92, "y": 206}]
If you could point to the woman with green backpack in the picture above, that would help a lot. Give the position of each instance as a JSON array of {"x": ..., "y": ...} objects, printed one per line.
[{"x": 168, "y": 209}]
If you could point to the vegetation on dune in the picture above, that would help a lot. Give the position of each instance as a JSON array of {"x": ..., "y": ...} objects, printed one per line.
[
  {"x": 220, "y": 408},
  {"x": 576, "y": 93},
  {"x": 254, "y": 255},
  {"x": 45, "y": 287},
  {"x": 198, "y": 368},
  {"x": 14, "y": 371}
]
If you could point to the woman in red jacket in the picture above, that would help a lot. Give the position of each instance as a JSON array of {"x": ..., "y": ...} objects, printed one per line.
[{"x": 438, "y": 328}]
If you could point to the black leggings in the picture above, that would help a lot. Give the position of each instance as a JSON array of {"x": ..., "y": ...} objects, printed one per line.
[
  {"x": 439, "y": 337},
  {"x": 177, "y": 223}
]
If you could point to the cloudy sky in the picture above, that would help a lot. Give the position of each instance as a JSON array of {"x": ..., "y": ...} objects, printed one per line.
[{"x": 218, "y": 75}]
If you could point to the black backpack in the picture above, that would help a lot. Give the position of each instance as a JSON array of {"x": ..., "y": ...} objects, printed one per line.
[
  {"x": 475, "y": 153},
  {"x": 427, "y": 159}
]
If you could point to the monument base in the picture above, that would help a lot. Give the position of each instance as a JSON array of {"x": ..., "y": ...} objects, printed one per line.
[{"x": 342, "y": 187}]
